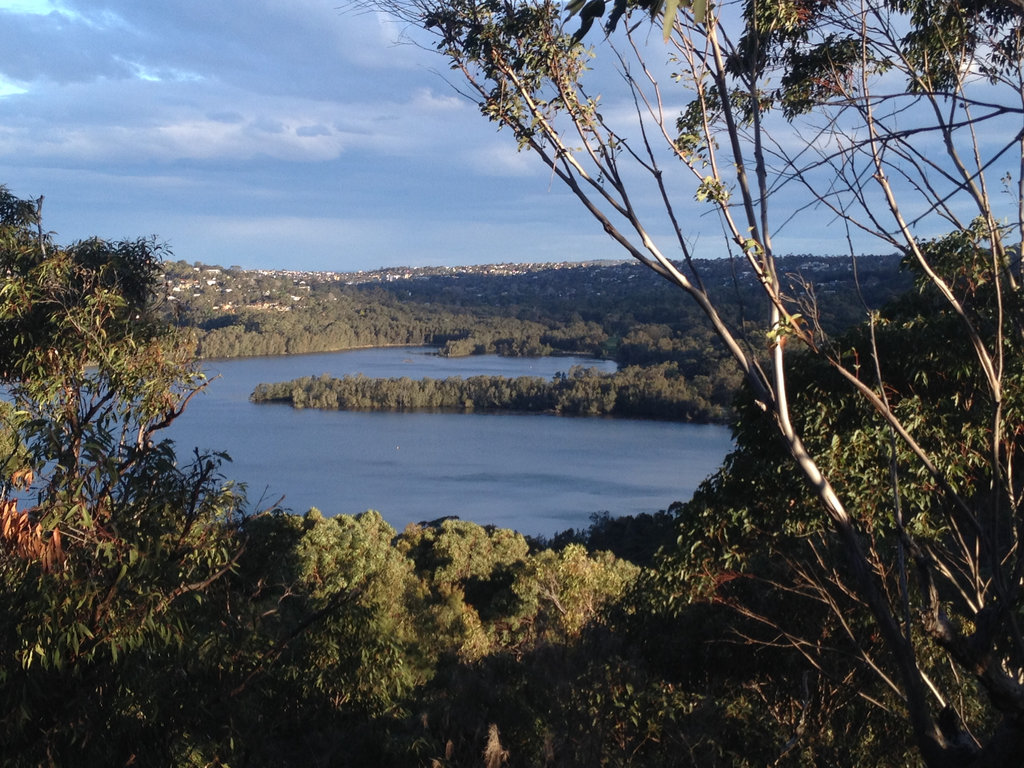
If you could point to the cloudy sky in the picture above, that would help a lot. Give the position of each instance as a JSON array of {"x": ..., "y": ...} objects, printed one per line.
[
  {"x": 264, "y": 133},
  {"x": 293, "y": 134}
]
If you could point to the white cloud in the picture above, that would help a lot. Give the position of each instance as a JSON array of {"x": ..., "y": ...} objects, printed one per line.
[
  {"x": 429, "y": 100},
  {"x": 9, "y": 88},
  {"x": 266, "y": 132},
  {"x": 27, "y": 6},
  {"x": 500, "y": 158}
]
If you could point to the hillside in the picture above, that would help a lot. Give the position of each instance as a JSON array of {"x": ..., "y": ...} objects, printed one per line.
[{"x": 618, "y": 311}]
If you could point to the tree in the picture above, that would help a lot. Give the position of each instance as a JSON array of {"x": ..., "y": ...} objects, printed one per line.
[
  {"x": 107, "y": 542},
  {"x": 897, "y": 120}
]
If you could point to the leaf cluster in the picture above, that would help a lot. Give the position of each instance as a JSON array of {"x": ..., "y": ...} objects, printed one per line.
[{"x": 106, "y": 540}]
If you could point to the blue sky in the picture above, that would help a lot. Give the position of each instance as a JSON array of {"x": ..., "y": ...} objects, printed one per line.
[
  {"x": 264, "y": 133},
  {"x": 294, "y": 134}
]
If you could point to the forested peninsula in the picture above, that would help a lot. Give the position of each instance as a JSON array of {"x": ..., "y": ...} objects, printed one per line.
[
  {"x": 671, "y": 366},
  {"x": 656, "y": 392}
]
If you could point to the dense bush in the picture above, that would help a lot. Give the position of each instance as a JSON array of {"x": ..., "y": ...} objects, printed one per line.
[{"x": 657, "y": 392}]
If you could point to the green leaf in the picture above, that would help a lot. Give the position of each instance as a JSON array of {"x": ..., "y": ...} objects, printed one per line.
[{"x": 671, "y": 6}]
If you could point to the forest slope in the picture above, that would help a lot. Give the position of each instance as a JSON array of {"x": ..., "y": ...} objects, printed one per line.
[{"x": 605, "y": 310}]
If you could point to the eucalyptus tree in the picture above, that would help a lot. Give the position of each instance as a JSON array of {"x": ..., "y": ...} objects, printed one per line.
[
  {"x": 108, "y": 543},
  {"x": 898, "y": 122}
]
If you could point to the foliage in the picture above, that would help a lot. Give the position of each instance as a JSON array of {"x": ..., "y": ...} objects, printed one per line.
[
  {"x": 107, "y": 542},
  {"x": 657, "y": 391},
  {"x": 891, "y": 117},
  {"x": 145, "y": 619},
  {"x": 752, "y": 540},
  {"x": 636, "y": 538}
]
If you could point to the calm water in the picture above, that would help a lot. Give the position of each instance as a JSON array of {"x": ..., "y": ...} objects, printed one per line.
[{"x": 538, "y": 474}]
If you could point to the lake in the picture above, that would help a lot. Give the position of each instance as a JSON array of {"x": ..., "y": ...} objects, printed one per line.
[{"x": 536, "y": 473}]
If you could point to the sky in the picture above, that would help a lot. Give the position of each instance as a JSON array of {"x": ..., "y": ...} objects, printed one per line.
[
  {"x": 297, "y": 134},
  {"x": 283, "y": 134}
]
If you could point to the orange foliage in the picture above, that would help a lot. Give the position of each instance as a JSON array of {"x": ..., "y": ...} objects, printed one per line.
[{"x": 25, "y": 538}]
